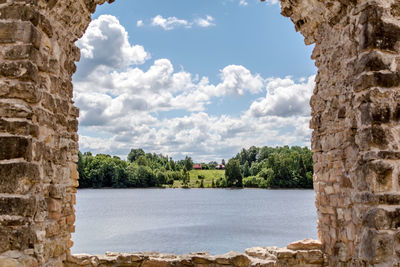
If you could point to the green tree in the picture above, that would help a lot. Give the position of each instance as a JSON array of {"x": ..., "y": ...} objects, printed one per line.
[
  {"x": 232, "y": 174},
  {"x": 145, "y": 176},
  {"x": 161, "y": 178},
  {"x": 246, "y": 169},
  {"x": 188, "y": 163},
  {"x": 185, "y": 178},
  {"x": 135, "y": 154},
  {"x": 142, "y": 161}
]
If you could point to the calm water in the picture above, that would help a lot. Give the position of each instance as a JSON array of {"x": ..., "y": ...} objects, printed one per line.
[{"x": 181, "y": 221}]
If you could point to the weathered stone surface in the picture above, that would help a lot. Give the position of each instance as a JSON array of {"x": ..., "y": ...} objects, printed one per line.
[
  {"x": 18, "y": 178},
  {"x": 19, "y": 128},
  {"x": 231, "y": 259},
  {"x": 17, "y": 206},
  {"x": 15, "y": 147},
  {"x": 306, "y": 244},
  {"x": 22, "y": 70},
  {"x": 12, "y": 32},
  {"x": 19, "y": 238}
]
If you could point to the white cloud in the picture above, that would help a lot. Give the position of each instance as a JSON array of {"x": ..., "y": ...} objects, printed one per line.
[
  {"x": 140, "y": 23},
  {"x": 106, "y": 43},
  {"x": 243, "y": 3},
  {"x": 205, "y": 22},
  {"x": 246, "y": 2},
  {"x": 169, "y": 23},
  {"x": 273, "y": 2},
  {"x": 120, "y": 102},
  {"x": 285, "y": 98},
  {"x": 238, "y": 79}
]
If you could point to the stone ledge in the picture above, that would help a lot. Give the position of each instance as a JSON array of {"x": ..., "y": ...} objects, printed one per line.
[{"x": 305, "y": 253}]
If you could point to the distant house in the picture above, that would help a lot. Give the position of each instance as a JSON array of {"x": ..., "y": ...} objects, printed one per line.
[
  {"x": 197, "y": 167},
  {"x": 220, "y": 167}
]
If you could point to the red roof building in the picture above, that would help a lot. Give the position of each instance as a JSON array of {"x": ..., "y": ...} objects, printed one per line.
[
  {"x": 220, "y": 167},
  {"x": 197, "y": 167}
]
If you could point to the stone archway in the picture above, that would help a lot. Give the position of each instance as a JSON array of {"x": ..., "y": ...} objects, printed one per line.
[{"x": 355, "y": 117}]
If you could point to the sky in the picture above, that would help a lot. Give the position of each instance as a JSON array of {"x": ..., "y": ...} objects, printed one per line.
[{"x": 187, "y": 77}]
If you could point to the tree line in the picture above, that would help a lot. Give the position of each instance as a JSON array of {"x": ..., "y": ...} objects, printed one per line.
[
  {"x": 266, "y": 167},
  {"x": 139, "y": 170}
]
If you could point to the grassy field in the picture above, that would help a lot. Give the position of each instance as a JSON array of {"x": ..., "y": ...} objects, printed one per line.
[{"x": 208, "y": 174}]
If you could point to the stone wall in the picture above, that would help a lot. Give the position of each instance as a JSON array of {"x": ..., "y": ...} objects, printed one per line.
[
  {"x": 355, "y": 117},
  {"x": 306, "y": 253}
]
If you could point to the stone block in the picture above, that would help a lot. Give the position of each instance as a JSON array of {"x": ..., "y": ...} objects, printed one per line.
[
  {"x": 306, "y": 244},
  {"x": 48, "y": 102},
  {"x": 22, "y": 13},
  {"x": 375, "y": 136},
  {"x": 18, "y": 178},
  {"x": 389, "y": 199},
  {"x": 310, "y": 256},
  {"x": 11, "y": 109},
  {"x": 377, "y": 33},
  {"x": 377, "y": 218},
  {"x": 54, "y": 205},
  {"x": 377, "y": 79},
  {"x": 20, "y": 52},
  {"x": 376, "y": 247},
  {"x": 18, "y": 31},
  {"x": 21, "y": 70},
  {"x": 240, "y": 260},
  {"x": 12, "y": 147},
  {"x": 18, "y": 128},
  {"x": 57, "y": 191},
  {"x": 28, "y": 91},
  {"x": 375, "y": 114},
  {"x": 372, "y": 61},
  {"x": 16, "y": 238},
  {"x": 379, "y": 175},
  {"x": 18, "y": 206}
]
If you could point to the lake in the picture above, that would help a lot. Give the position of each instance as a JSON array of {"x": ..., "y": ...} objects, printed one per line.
[{"x": 180, "y": 221}]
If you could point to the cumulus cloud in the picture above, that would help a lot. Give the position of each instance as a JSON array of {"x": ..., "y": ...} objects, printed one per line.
[
  {"x": 169, "y": 23},
  {"x": 285, "y": 98},
  {"x": 205, "y": 22},
  {"x": 238, "y": 79},
  {"x": 160, "y": 88},
  {"x": 121, "y": 103},
  {"x": 201, "y": 135},
  {"x": 106, "y": 43}
]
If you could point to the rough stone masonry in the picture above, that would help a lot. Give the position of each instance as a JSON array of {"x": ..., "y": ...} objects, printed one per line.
[{"x": 356, "y": 138}]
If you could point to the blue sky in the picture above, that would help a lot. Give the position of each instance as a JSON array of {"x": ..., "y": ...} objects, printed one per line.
[{"x": 199, "y": 78}]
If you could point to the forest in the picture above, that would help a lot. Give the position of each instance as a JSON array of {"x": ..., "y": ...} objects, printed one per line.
[{"x": 265, "y": 167}]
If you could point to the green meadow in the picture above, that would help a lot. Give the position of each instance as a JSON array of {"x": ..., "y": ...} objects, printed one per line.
[{"x": 209, "y": 175}]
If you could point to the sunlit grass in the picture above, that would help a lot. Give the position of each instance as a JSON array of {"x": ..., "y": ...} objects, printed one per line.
[{"x": 195, "y": 182}]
